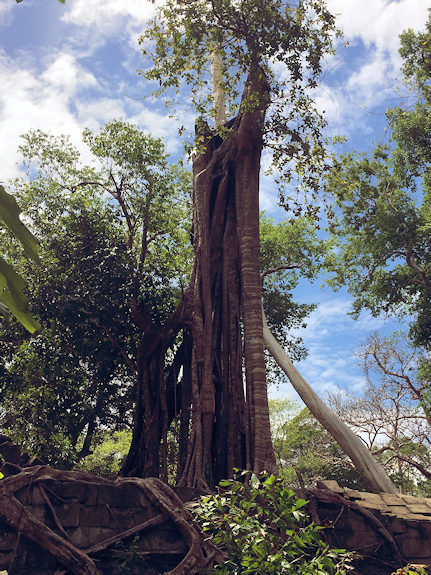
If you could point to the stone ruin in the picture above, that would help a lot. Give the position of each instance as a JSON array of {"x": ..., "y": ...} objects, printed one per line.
[
  {"x": 388, "y": 530},
  {"x": 58, "y": 522}
]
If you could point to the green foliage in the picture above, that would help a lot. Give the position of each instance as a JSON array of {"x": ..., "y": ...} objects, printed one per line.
[
  {"x": 302, "y": 444},
  {"x": 384, "y": 200},
  {"x": 411, "y": 569},
  {"x": 110, "y": 233},
  {"x": 12, "y": 285},
  {"x": 110, "y": 448},
  {"x": 264, "y": 529},
  {"x": 275, "y": 42},
  {"x": 128, "y": 560}
]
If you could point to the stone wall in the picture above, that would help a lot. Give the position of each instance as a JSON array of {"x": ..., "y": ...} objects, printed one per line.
[
  {"x": 90, "y": 516},
  {"x": 105, "y": 519},
  {"x": 389, "y": 530}
]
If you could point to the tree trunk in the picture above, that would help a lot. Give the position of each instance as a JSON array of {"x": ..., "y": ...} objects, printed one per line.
[
  {"x": 217, "y": 87},
  {"x": 228, "y": 429},
  {"x": 143, "y": 458},
  {"x": 349, "y": 442}
]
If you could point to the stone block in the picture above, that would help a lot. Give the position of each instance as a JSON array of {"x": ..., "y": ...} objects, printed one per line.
[
  {"x": 374, "y": 497},
  {"x": 85, "y": 537},
  {"x": 411, "y": 499},
  {"x": 399, "y": 510},
  {"x": 420, "y": 508},
  {"x": 330, "y": 485},
  {"x": 92, "y": 494},
  {"x": 414, "y": 548},
  {"x": 109, "y": 495},
  {"x": 391, "y": 499},
  {"x": 397, "y": 525},
  {"x": 40, "y": 512},
  {"x": 417, "y": 517},
  {"x": 124, "y": 516},
  {"x": 36, "y": 496},
  {"x": 129, "y": 495},
  {"x": 96, "y": 516},
  {"x": 377, "y": 505},
  {"x": 68, "y": 514},
  {"x": 73, "y": 490},
  {"x": 353, "y": 493}
]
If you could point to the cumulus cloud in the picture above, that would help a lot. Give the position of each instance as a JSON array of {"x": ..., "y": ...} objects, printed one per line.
[
  {"x": 39, "y": 99},
  {"x": 378, "y": 22},
  {"x": 98, "y": 22},
  {"x": 360, "y": 76},
  {"x": 107, "y": 14}
]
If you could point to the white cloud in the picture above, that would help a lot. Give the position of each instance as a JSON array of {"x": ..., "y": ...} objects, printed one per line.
[
  {"x": 5, "y": 11},
  {"x": 39, "y": 100},
  {"x": 107, "y": 14},
  {"x": 370, "y": 67},
  {"x": 94, "y": 113},
  {"x": 65, "y": 74},
  {"x": 98, "y": 22},
  {"x": 378, "y": 22}
]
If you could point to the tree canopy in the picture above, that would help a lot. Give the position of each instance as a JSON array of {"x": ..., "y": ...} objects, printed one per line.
[
  {"x": 384, "y": 202},
  {"x": 275, "y": 42}
]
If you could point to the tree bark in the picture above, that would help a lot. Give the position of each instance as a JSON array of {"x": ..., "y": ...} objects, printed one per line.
[
  {"x": 228, "y": 429},
  {"x": 374, "y": 474},
  {"x": 217, "y": 87}
]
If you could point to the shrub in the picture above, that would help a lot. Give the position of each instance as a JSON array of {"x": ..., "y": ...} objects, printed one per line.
[{"x": 263, "y": 527}]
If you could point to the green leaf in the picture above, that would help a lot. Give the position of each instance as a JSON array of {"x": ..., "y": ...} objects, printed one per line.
[
  {"x": 9, "y": 214},
  {"x": 13, "y": 297}
]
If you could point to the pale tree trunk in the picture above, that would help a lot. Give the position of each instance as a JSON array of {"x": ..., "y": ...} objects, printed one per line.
[
  {"x": 350, "y": 443},
  {"x": 217, "y": 87}
]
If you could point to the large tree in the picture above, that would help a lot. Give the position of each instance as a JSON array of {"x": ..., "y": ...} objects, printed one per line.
[
  {"x": 106, "y": 253},
  {"x": 391, "y": 412},
  {"x": 112, "y": 235},
  {"x": 230, "y": 425}
]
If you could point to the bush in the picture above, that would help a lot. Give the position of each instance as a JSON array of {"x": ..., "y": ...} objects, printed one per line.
[{"x": 264, "y": 529}]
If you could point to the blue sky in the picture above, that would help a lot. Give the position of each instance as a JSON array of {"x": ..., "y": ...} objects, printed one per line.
[{"x": 64, "y": 68}]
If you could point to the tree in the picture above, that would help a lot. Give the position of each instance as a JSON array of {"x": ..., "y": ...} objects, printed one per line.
[
  {"x": 67, "y": 380},
  {"x": 226, "y": 284},
  {"x": 389, "y": 415},
  {"x": 374, "y": 475},
  {"x": 96, "y": 265},
  {"x": 302, "y": 445},
  {"x": 384, "y": 202},
  {"x": 76, "y": 376}
]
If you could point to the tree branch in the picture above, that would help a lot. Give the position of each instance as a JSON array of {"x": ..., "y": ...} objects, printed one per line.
[{"x": 280, "y": 269}]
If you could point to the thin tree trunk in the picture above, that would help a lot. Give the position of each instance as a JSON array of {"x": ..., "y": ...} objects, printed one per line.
[
  {"x": 349, "y": 442},
  {"x": 217, "y": 87}
]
